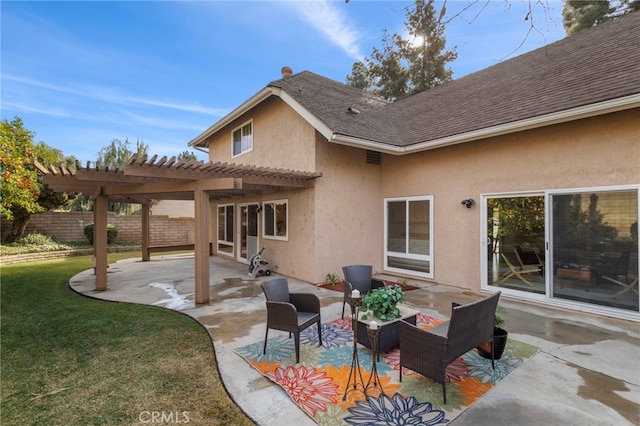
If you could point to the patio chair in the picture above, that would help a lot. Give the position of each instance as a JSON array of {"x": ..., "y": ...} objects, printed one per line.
[
  {"x": 626, "y": 274},
  {"x": 292, "y": 312},
  {"x": 518, "y": 272},
  {"x": 429, "y": 352},
  {"x": 529, "y": 258},
  {"x": 358, "y": 277}
]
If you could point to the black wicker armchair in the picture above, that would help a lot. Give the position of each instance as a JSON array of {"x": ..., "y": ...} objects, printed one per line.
[
  {"x": 429, "y": 352},
  {"x": 358, "y": 277},
  {"x": 292, "y": 312}
]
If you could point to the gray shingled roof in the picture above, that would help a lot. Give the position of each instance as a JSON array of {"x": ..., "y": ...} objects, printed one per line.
[
  {"x": 596, "y": 65},
  {"x": 330, "y": 101}
]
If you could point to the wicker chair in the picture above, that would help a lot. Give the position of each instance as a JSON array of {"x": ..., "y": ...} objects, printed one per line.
[
  {"x": 429, "y": 352},
  {"x": 358, "y": 277},
  {"x": 292, "y": 312}
]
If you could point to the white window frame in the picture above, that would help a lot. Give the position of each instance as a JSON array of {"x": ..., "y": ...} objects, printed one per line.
[
  {"x": 429, "y": 257},
  {"x": 264, "y": 220},
  {"x": 225, "y": 241},
  {"x": 245, "y": 145}
]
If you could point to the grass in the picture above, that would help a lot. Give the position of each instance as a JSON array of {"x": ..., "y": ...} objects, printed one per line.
[{"x": 68, "y": 359}]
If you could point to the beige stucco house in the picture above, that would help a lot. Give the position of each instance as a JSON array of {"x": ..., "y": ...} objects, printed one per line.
[{"x": 546, "y": 145}]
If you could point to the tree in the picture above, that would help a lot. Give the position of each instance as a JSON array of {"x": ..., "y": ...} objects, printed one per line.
[
  {"x": 359, "y": 77},
  {"x": 425, "y": 51},
  {"x": 187, "y": 155},
  {"x": 407, "y": 66},
  {"x": 116, "y": 154},
  {"x": 578, "y": 15},
  {"x": 23, "y": 190},
  {"x": 20, "y": 187}
]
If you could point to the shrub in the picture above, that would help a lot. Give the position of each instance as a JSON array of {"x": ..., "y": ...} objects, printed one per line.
[
  {"x": 35, "y": 239},
  {"x": 112, "y": 233}
]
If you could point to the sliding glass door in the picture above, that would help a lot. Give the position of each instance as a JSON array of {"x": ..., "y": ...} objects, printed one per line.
[
  {"x": 594, "y": 244},
  {"x": 516, "y": 250},
  {"x": 576, "y": 247}
]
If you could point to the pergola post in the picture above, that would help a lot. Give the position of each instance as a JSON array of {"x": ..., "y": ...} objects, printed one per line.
[
  {"x": 201, "y": 245},
  {"x": 146, "y": 239},
  {"x": 100, "y": 203}
]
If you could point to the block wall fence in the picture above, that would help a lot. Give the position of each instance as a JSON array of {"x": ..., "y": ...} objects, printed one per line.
[{"x": 69, "y": 227}]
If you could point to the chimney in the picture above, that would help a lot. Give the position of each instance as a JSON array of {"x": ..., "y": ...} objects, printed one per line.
[{"x": 286, "y": 72}]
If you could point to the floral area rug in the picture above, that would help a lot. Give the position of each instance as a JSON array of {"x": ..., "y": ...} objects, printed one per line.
[{"x": 317, "y": 384}]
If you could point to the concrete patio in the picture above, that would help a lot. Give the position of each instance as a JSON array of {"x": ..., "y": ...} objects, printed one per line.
[{"x": 586, "y": 373}]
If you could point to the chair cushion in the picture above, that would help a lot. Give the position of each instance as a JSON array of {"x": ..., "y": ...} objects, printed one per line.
[
  {"x": 440, "y": 330},
  {"x": 307, "y": 317}
]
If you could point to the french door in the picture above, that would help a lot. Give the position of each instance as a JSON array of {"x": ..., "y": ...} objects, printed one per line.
[
  {"x": 572, "y": 247},
  {"x": 247, "y": 231}
]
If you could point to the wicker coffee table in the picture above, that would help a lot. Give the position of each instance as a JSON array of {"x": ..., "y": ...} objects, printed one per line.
[{"x": 389, "y": 335}]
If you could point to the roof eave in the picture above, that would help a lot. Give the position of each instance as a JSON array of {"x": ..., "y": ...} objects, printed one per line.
[
  {"x": 606, "y": 107},
  {"x": 200, "y": 140},
  {"x": 255, "y": 100}
]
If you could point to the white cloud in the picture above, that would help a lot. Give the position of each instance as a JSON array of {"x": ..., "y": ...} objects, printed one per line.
[
  {"x": 325, "y": 17},
  {"x": 114, "y": 96}
]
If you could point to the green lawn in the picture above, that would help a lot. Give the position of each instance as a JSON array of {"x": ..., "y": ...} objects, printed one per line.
[{"x": 71, "y": 360}]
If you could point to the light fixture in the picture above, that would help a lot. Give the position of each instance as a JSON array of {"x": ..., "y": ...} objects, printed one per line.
[{"x": 468, "y": 202}]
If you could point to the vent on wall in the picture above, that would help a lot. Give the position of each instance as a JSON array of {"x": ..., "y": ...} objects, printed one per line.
[{"x": 373, "y": 157}]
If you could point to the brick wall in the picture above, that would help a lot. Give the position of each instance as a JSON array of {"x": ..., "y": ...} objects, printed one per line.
[{"x": 69, "y": 226}]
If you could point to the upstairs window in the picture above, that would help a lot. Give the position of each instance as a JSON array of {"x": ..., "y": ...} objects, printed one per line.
[{"x": 243, "y": 139}]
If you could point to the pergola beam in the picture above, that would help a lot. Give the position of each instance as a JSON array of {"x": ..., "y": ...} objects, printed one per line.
[{"x": 167, "y": 188}]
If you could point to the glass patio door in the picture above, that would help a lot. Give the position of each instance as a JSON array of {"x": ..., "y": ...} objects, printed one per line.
[
  {"x": 594, "y": 244},
  {"x": 248, "y": 231},
  {"x": 516, "y": 242},
  {"x": 569, "y": 247}
]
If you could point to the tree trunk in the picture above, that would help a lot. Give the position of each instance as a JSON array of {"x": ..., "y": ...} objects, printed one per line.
[{"x": 18, "y": 225}]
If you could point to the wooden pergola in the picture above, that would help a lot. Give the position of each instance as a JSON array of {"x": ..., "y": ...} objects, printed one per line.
[{"x": 143, "y": 181}]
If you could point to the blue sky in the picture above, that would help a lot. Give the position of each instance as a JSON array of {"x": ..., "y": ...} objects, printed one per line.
[{"x": 80, "y": 74}]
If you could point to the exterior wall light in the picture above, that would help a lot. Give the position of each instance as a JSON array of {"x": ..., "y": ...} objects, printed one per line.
[{"x": 468, "y": 202}]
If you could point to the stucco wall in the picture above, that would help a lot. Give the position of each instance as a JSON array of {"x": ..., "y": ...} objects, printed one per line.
[
  {"x": 329, "y": 224},
  {"x": 337, "y": 223},
  {"x": 596, "y": 152},
  {"x": 281, "y": 139},
  {"x": 173, "y": 208},
  {"x": 349, "y": 210}
]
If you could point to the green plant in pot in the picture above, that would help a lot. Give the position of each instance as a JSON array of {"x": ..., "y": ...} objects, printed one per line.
[
  {"x": 383, "y": 303},
  {"x": 499, "y": 338}
]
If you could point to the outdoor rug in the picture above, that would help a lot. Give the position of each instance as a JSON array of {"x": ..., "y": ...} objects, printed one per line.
[{"x": 317, "y": 384}]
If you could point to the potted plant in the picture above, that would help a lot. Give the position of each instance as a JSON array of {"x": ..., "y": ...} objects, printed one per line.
[
  {"x": 383, "y": 303},
  {"x": 499, "y": 338}
]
